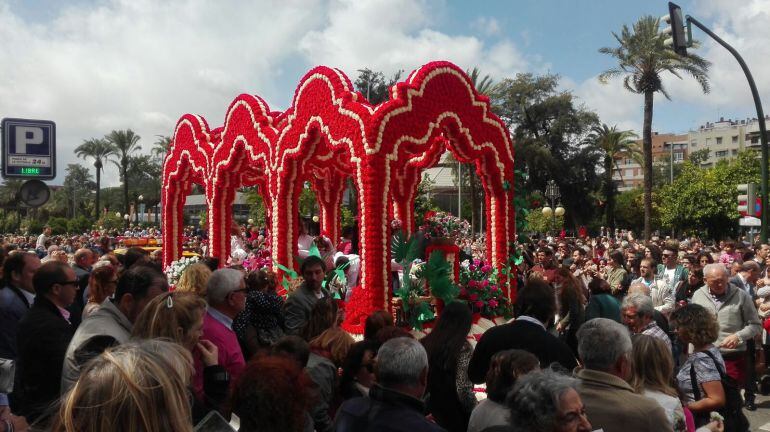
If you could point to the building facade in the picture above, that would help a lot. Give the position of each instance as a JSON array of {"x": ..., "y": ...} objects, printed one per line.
[{"x": 628, "y": 173}]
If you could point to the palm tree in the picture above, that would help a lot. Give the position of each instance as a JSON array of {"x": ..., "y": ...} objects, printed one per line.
[
  {"x": 612, "y": 143},
  {"x": 99, "y": 150},
  {"x": 642, "y": 60},
  {"x": 160, "y": 147},
  {"x": 125, "y": 143},
  {"x": 486, "y": 86}
]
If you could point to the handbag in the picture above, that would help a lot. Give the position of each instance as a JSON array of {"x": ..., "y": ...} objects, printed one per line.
[
  {"x": 732, "y": 411},
  {"x": 7, "y": 370}
]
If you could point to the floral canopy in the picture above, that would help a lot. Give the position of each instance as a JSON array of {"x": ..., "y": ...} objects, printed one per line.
[{"x": 329, "y": 133}]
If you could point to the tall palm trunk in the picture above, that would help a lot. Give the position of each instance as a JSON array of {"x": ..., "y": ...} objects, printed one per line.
[
  {"x": 609, "y": 193},
  {"x": 97, "y": 210},
  {"x": 125, "y": 189},
  {"x": 647, "y": 150}
]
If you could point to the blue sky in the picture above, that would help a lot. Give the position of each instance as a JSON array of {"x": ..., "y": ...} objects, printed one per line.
[{"x": 94, "y": 66}]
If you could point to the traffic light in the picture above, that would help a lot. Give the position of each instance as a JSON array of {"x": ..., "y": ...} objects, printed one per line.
[
  {"x": 677, "y": 38},
  {"x": 747, "y": 198}
]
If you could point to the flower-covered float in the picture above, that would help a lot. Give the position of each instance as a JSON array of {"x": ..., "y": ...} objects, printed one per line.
[{"x": 329, "y": 133}]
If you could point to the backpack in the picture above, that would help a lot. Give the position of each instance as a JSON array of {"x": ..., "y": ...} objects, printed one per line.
[{"x": 732, "y": 411}]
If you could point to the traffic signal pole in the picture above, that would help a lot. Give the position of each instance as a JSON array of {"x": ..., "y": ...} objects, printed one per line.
[{"x": 760, "y": 117}]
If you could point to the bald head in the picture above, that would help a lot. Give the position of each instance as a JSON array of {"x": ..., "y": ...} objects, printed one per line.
[{"x": 84, "y": 257}]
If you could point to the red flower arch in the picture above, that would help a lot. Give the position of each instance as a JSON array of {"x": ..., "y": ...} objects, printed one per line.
[{"x": 329, "y": 133}]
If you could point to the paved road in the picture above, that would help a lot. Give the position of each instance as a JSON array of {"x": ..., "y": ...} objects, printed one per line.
[{"x": 760, "y": 419}]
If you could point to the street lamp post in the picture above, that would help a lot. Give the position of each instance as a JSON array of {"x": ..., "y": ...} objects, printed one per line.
[
  {"x": 140, "y": 213},
  {"x": 553, "y": 194}
]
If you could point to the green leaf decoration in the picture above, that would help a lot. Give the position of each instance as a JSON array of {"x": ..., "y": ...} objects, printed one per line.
[
  {"x": 404, "y": 250},
  {"x": 291, "y": 273},
  {"x": 506, "y": 185},
  {"x": 437, "y": 272},
  {"x": 313, "y": 251}
]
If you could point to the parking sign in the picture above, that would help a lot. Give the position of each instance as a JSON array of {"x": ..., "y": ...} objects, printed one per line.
[{"x": 29, "y": 149}]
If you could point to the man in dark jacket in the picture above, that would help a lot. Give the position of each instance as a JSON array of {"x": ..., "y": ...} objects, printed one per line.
[
  {"x": 535, "y": 308},
  {"x": 44, "y": 333},
  {"x": 299, "y": 304},
  {"x": 395, "y": 403},
  {"x": 15, "y": 300}
]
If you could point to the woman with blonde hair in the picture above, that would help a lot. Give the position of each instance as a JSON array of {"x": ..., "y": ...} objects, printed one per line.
[
  {"x": 327, "y": 354},
  {"x": 194, "y": 279},
  {"x": 653, "y": 374},
  {"x": 137, "y": 386},
  {"x": 178, "y": 316},
  {"x": 101, "y": 284}
]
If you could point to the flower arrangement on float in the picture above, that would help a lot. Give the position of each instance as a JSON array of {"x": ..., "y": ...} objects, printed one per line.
[
  {"x": 480, "y": 288},
  {"x": 445, "y": 225},
  {"x": 176, "y": 268},
  {"x": 258, "y": 259}
]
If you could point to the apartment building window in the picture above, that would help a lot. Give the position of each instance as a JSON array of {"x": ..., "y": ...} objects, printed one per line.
[
  {"x": 629, "y": 172},
  {"x": 735, "y": 152},
  {"x": 678, "y": 156},
  {"x": 694, "y": 143},
  {"x": 721, "y": 154},
  {"x": 735, "y": 139},
  {"x": 719, "y": 140}
]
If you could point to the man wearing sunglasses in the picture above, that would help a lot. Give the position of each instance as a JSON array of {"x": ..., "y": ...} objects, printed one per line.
[
  {"x": 670, "y": 270},
  {"x": 44, "y": 333}
]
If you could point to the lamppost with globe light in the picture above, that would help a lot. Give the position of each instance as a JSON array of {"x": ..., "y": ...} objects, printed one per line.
[
  {"x": 553, "y": 194},
  {"x": 140, "y": 198}
]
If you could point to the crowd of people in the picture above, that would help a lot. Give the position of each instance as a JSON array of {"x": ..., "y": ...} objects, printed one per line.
[{"x": 608, "y": 334}]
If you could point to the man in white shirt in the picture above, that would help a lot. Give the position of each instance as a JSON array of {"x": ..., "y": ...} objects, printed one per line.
[{"x": 42, "y": 238}]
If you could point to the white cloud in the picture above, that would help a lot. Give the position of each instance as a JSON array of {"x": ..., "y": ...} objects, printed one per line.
[
  {"x": 486, "y": 25},
  {"x": 744, "y": 27},
  {"x": 399, "y": 36},
  {"x": 612, "y": 102},
  {"x": 141, "y": 64}
]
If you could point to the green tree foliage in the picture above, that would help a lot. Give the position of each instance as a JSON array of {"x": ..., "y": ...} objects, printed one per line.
[
  {"x": 537, "y": 222},
  {"x": 374, "y": 86},
  {"x": 256, "y": 205},
  {"x": 79, "y": 225},
  {"x": 98, "y": 150},
  {"x": 58, "y": 225},
  {"x": 699, "y": 156},
  {"x": 78, "y": 184},
  {"x": 642, "y": 59},
  {"x": 707, "y": 198},
  {"x": 125, "y": 143},
  {"x": 549, "y": 132},
  {"x": 629, "y": 212},
  {"x": 610, "y": 143},
  {"x": 110, "y": 222},
  {"x": 423, "y": 201},
  {"x": 144, "y": 177}
]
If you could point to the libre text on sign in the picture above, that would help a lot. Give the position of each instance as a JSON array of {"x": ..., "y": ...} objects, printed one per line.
[{"x": 29, "y": 149}]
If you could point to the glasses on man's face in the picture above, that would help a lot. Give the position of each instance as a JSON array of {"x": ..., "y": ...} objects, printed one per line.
[
  {"x": 74, "y": 282},
  {"x": 667, "y": 255}
]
